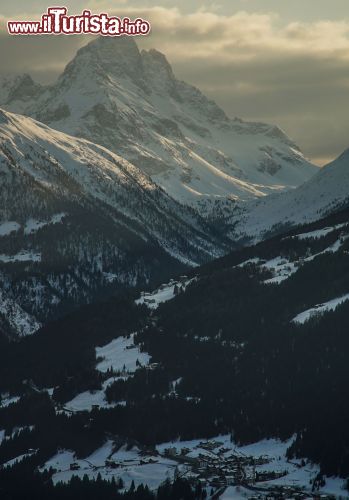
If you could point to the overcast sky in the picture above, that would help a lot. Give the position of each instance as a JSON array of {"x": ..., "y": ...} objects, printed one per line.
[{"x": 280, "y": 61}]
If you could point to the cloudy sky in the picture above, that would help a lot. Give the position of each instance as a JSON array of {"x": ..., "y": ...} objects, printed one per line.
[{"x": 285, "y": 62}]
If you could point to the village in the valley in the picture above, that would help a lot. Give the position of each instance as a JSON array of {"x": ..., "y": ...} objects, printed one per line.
[{"x": 220, "y": 468}]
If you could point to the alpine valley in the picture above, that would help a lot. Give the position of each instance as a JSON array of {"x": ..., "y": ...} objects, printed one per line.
[{"x": 174, "y": 293}]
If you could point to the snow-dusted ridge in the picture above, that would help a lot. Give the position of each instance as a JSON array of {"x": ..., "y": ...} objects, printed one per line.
[
  {"x": 321, "y": 195},
  {"x": 79, "y": 168},
  {"x": 79, "y": 202}
]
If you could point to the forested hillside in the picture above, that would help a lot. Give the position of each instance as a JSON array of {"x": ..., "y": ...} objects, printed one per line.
[{"x": 254, "y": 345}]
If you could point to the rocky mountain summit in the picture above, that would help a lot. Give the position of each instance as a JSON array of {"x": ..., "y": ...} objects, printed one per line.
[{"x": 130, "y": 102}]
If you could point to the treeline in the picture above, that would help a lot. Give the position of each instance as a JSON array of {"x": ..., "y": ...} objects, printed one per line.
[{"x": 19, "y": 483}]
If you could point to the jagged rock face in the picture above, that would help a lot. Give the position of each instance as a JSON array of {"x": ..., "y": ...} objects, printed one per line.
[
  {"x": 131, "y": 102},
  {"x": 77, "y": 222}
]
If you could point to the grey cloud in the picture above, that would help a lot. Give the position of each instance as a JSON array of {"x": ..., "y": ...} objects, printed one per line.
[
  {"x": 303, "y": 91},
  {"x": 43, "y": 57},
  {"x": 306, "y": 97}
]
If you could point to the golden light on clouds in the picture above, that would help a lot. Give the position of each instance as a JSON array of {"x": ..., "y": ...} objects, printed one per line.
[{"x": 258, "y": 65}]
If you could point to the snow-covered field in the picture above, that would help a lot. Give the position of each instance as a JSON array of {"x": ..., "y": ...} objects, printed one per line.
[
  {"x": 320, "y": 309},
  {"x": 164, "y": 293},
  {"x": 121, "y": 355},
  {"x": 319, "y": 233},
  {"x": 236, "y": 493},
  {"x": 280, "y": 267},
  {"x": 110, "y": 462},
  {"x": 7, "y": 227},
  {"x": 85, "y": 401},
  {"x": 33, "y": 225}
]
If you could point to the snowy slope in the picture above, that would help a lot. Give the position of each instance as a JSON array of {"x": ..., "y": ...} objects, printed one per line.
[
  {"x": 86, "y": 219},
  {"x": 320, "y": 309},
  {"x": 131, "y": 102},
  {"x": 80, "y": 168},
  {"x": 323, "y": 194}
]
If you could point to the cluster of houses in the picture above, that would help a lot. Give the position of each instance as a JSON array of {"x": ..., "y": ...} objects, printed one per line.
[{"x": 217, "y": 467}]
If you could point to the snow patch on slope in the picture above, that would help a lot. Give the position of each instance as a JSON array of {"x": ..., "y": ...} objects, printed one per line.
[
  {"x": 131, "y": 466},
  {"x": 33, "y": 225},
  {"x": 121, "y": 354},
  {"x": 164, "y": 293},
  {"x": 319, "y": 233},
  {"x": 320, "y": 309},
  {"x": 22, "y": 256},
  {"x": 86, "y": 401},
  {"x": 8, "y": 227}
]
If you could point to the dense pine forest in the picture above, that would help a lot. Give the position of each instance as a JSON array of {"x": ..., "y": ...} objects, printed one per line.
[{"x": 241, "y": 365}]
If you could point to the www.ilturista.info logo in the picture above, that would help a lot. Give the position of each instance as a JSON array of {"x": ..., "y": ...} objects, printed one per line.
[{"x": 57, "y": 22}]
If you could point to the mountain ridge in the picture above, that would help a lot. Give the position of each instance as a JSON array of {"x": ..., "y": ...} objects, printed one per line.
[
  {"x": 131, "y": 102},
  {"x": 323, "y": 194},
  {"x": 77, "y": 220}
]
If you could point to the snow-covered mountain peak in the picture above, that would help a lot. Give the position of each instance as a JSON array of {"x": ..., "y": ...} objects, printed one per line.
[
  {"x": 131, "y": 103},
  {"x": 100, "y": 64},
  {"x": 111, "y": 54}
]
